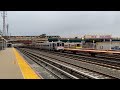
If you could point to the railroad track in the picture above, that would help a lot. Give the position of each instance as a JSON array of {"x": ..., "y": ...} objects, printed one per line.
[
  {"x": 115, "y": 57},
  {"x": 48, "y": 66},
  {"x": 111, "y": 56},
  {"x": 108, "y": 62},
  {"x": 74, "y": 68},
  {"x": 86, "y": 58}
]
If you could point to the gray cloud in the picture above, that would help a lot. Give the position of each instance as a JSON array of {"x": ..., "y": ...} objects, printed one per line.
[{"x": 63, "y": 23}]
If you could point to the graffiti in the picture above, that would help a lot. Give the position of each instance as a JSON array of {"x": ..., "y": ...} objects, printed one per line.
[{"x": 115, "y": 48}]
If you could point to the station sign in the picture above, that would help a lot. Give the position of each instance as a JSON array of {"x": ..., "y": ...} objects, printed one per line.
[
  {"x": 105, "y": 36},
  {"x": 98, "y": 36}
]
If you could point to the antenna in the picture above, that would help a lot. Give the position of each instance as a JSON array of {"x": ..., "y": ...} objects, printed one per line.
[{"x": 4, "y": 15}]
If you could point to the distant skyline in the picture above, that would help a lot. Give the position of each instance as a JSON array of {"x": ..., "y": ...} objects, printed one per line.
[{"x": 63, "y": 23}]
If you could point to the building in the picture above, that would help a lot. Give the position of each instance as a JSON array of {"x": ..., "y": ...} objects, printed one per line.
[
  {"x": 30, "y": 39},
  {"x": 39, "y": 39},
  {"x": 114, "y": 45}
]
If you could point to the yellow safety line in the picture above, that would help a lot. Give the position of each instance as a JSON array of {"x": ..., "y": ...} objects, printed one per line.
[{"x": 26, "y": 70}]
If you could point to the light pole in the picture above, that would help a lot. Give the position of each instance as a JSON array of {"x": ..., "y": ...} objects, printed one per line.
[
  {"x": 110, "y": 43},
  {"x": 68, "y": 40},
  {"x": 93, "y": 44},
  {"x": 68, "y": 43},
  {"x": 82, "y": 41}
]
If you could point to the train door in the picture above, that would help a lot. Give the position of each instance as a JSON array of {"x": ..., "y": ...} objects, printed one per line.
[
  {"x": 53, "y": 46},
  {"x": 68, "y": 45},
  {"x": 50, "y": 46},
  {"x": 57, "y": 45},
  {"x": 60, "y": 44}
]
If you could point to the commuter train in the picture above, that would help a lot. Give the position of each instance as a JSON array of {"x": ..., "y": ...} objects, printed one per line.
[{"x": 56, "y": 46}]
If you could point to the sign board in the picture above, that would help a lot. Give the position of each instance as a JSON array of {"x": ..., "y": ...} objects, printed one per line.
[
  {"x": 105, "y": 36},
  {"x": 98, "y": 36}
]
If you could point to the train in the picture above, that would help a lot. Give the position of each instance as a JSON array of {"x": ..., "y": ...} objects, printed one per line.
[
  {"x": 56, "y": 46},
  {"x": 73, "y": 45},
  {"x": 60, "y": 46},
  {"x": 67, "y": 47}
]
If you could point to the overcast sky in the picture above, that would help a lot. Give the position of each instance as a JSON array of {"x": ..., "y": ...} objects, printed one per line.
[{"x": 63, "y": 23}]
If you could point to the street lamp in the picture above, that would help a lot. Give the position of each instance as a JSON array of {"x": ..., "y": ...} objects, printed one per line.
[
  {"x": 82, "y": 41},
  {"x": 68, "y": 40},
  {"x": 93, "y": 44},
  {"x": 110, "y": 43}
]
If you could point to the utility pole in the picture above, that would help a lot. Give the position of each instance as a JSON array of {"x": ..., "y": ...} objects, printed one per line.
[
  {"x": 0, "y": 32},
  {"x": 7, "y": 29},
  {"x": 93, "y": 44},
  {"x": 4, "y": 15},
  {"x": 82, "y": 41},
  {"x": 110, "y": 43}
]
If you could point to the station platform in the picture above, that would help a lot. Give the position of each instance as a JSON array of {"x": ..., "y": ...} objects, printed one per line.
[
  {"x": 14, "y": 66},
  {"x": 93, "y": 51}
]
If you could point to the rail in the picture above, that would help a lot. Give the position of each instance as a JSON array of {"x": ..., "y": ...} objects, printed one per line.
[{"x": 97, "y": 74}]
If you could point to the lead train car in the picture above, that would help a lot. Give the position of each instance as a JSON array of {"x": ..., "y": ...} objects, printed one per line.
[{"x": 57, "y": 46}]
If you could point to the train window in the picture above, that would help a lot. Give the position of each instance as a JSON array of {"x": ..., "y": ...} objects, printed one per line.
[
  {"x": 57, "y": 44},
  {"x": 62, "y": 44},
  {"x": 78, "y": 45}
]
